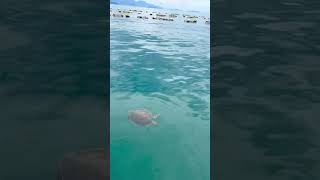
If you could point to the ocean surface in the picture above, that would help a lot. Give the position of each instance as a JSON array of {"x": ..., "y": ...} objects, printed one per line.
[{"x": 163, "y": 67}]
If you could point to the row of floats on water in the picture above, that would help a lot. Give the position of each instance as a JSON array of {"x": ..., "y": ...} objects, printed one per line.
[{"x": 155, "y": 15}]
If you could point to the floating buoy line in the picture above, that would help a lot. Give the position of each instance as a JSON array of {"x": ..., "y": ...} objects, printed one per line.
[{"x": 140, "y": 14}]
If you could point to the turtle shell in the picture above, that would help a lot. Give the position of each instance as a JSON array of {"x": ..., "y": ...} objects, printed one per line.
[{"x": 141, "y": 117}]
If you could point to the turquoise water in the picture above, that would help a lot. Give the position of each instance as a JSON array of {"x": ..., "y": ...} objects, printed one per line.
[{"x": 163, "y": 67}]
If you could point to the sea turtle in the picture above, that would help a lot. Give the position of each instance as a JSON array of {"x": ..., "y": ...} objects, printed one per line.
[{"x": 142, "y": 117}]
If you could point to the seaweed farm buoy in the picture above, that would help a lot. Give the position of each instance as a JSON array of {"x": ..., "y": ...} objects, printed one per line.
[
  {"x": 126, "y": 15},
  {"x": 172, "y": 15},
  {"x": 160, "y": 15},
  {"x": 190, "y": 20},
  {"x": 142, "y": 17},
  {"x": 117, "y": 15},
  {"x": 163, "y": 18}
]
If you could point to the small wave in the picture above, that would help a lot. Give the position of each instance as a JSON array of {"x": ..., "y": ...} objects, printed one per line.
[{"x": 177, "y": 78}]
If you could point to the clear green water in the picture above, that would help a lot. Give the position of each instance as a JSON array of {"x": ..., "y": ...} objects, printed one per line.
[{"x": 165, "y": 68}]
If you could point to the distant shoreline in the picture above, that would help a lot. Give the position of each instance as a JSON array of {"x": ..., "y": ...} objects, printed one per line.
[{"x": 137, "y": 4}]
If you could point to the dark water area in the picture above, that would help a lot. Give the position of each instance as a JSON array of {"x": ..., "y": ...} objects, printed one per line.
[
  {"x": 265, "y": 89},
  {"x": 53, "y": 84}
]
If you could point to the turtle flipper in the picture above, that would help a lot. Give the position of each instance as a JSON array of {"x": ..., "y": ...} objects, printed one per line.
[
  {"x": 155, "y": 116},
  {"x": 153, "y": 123}
]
